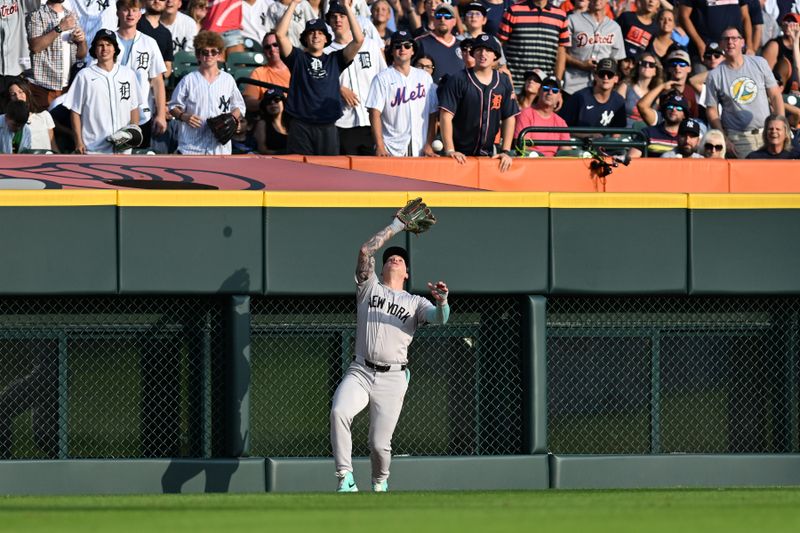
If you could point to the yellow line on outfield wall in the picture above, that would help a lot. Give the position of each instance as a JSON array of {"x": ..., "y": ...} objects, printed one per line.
[
  {"x": 744, "y": 201},
  {"x": 191, "y": 198},
  {"x": 603, "y": 200},
  {"x": 55, "y": 197},
  {"x": 483, "y": 199},
  {"x": 394, "y": 199}
]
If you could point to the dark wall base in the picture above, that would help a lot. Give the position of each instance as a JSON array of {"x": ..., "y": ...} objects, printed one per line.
[
  {"x": 662, "y": 471},
  {"x": 415, "y": 473}
]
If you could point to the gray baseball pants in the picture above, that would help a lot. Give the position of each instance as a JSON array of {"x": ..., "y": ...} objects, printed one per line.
[{"x": 384, "y": 393}]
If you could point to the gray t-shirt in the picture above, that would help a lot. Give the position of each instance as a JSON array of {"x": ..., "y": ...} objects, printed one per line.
[
  {"x": 591, "y": 40},
  {"x": 386, "y": 321},
  {"x": 742, "y": 93}
]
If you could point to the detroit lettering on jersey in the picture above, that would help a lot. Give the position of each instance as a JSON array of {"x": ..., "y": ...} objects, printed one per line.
[
  {"x": 393, "y": 309},
  {"x": 8, "y": 10},
  {"x": 400, "y": 96},
  {"x": 584, "y": 39}
]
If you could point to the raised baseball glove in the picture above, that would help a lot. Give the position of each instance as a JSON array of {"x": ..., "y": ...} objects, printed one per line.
[
  {"x": 223, "y": 127},
  {"x": 416, "y": 216},
  {"x": 128, "y": 137}
]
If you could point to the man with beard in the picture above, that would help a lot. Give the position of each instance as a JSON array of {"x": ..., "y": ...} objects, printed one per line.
[
  {"x": 56, "y": 42},
  {"x": 441, "y": 44},
  {"x": 663, "y": 135},
  {"x": 150, "y": 25},
  {"x": 688, "y": 139}
]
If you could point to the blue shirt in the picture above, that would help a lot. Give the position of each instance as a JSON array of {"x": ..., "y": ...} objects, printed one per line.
[
  {"x": 582, "y": 109},
  {"x": 314, "y": 87}
]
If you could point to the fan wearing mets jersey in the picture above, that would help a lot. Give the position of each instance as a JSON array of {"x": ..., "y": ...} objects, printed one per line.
[
  {"x": 202, "y": 94},
  {"x": 387, "y": 317},
  {"x": 401, "y": 101}
]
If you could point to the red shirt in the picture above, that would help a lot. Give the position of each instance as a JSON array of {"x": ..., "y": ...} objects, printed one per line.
[
  {"x": 223, "y": 15},
  {"x": 529, "y": 117}
]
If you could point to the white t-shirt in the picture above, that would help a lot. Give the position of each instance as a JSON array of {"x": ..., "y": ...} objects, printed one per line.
[
  {"x": 302, "y": 13},
  {"x": 41, "y": 124},
  {"x": 195, "y": 95},
  {"x": 405, "y": 103},
  {"x": 369, "y": 61},
  {"x": 145, "y": 59},
  {"x": 104, "y": 100},
  {"x": 183, "y": 31},
  {"x": 255, "y": 20}
]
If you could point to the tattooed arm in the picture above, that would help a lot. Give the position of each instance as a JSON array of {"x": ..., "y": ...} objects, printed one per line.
[{"x": 366, "y": 262}]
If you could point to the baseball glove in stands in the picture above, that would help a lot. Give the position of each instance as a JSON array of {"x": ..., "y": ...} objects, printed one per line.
[
  {"x": 416, "y": 216},
  {"x": 128, "y": 137},
  {"x": 223, "y": 127}
]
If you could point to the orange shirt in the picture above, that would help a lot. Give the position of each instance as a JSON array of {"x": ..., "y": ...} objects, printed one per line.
[{"x": 269, "y": 75}]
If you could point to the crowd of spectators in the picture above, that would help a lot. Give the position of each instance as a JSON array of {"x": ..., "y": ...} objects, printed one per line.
[{"x": 400, "y": 78}]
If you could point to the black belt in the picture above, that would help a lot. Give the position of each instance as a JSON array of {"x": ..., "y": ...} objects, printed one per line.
[{"x": 380, "y": 368}]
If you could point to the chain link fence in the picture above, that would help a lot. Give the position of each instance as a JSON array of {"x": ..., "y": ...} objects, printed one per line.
[
  {"x": 465, "y": 392},
  {"x": 672, "y": 375},
  {"x": 108, "y": 377}
]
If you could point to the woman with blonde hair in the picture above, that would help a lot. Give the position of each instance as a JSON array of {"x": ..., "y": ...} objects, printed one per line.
[{"x": 713, "y": 145}]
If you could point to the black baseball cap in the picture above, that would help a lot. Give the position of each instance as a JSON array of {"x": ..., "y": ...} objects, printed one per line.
[
  {"x": 689, "y": 125},
  {"x": 395, "y": 250},
  {"x": 488, "y": 42},
  {"x": 713, "y": 48},
  {"x": 475, "y": 6},
  {"x": 335, "y": 7},
  {"x": 607, "y": 64}
]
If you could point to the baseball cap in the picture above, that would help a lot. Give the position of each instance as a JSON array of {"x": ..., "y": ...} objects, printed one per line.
[
  {"x": 446, "y": 8},
  {"x": 676, "y": 99},
  {"x": 551, "y": 81},
  {"x": 395, "y": 250},
  {"x": 315, "y": 25},
  {"x": 335, "y": 7},
  {"x": 713, "y": 48},
  {"x": 488, "y": 42},
  {"x": 689, "y": 125},
  {"x": 791, "y": 17},
  {"x": 679, "y": 55},
  {"x": 401, "y": 36},
  {"x": 607, "y": 64},
  {"x": 272, "y": 94},
  {"x": 475, "y": 6},
  {"x": 104, "y": 35},
  {"x": 466, "y": 43},
  {"x": 535, "y": 73}
]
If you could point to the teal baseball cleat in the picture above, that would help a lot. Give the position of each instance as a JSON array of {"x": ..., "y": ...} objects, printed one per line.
[
  {"x": 346, "y": 482},
  {"x": 383, "y": 486}
]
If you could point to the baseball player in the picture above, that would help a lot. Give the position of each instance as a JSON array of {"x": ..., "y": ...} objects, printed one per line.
[
  {"x": 140, "y": 52},
  {"x": 202, "y": 94},
  {"x": 401, "y": 101},
  {"x": 103, "y": 98},
  {"x": 387, "y": 317}
]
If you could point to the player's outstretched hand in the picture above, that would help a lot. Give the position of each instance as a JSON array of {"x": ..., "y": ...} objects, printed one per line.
[{"x": 439, "y": 292}]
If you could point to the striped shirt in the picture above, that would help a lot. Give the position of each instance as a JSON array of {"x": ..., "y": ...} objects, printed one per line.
[
  {"x": 48, "y": 65},
  {"x": 531, "y": 37}
]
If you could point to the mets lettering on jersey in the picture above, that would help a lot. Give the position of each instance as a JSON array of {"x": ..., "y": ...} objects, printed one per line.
[{"x": 400, "y": 97}]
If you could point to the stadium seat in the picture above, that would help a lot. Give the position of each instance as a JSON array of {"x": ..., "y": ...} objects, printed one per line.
[
  {"x": 240, "y": 72},
  {"x": 184, "y": 58},
  {"x": 252, "y": 45},
  {"x": 250, "y": 59},
  {"x": 573, "y": 152}
]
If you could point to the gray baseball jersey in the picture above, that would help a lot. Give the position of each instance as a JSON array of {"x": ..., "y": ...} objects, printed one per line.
[
  {"x": 13, "y": 42},
  {"x": 591, "y": 40},
  {"x": 386, "y": 321},
  {"x": 742, "y": 93}
]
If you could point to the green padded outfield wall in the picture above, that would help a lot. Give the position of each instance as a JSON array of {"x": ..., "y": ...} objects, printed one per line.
[
  {"x": 618, "y": 243},
  {"x": 191, "y": 242},
  {"x": 744, "y": 243},
  {"x": 58, "y": 242}
]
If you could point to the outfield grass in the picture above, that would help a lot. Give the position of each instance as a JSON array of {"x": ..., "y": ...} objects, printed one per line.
[{"x": 645, "y": 511}]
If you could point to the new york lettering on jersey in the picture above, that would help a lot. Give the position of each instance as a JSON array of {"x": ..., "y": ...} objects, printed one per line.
[{"x": 396, "y": 310}]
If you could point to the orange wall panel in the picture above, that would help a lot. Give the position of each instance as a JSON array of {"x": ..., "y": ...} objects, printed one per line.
[
  {"x": 538, "y": 174},
  {"x": 438, "y": 169},
  {"x": 765, "y": 176},
  {"x": 674, "y": 175},
  {"x": 338, "y": 161}
]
